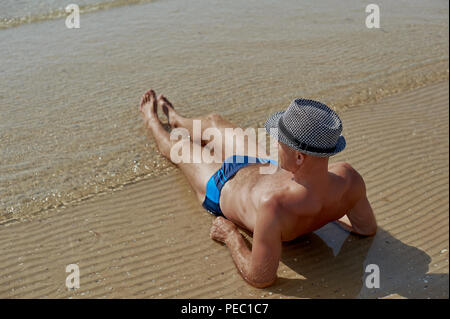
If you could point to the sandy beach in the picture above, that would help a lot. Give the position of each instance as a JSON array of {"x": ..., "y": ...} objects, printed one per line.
[
  {"x": 82, "y": 182},
  {"x": 150, "y": 239}
]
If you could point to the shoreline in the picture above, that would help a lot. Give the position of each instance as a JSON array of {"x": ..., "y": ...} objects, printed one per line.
[
  {"x": 60, "y": 13},
  {"x": 149, "y": 239}
]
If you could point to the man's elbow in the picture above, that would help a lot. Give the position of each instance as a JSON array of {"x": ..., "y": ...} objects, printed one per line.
[
  {"x": 262, "y": 284},
  {"x": 368, "y": 231},
  {"x": 260, "y": 278},
  {"x": 373, "y": 231}
]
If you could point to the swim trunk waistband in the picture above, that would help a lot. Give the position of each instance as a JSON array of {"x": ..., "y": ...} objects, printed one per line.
[{"x": 229, "y": 168}]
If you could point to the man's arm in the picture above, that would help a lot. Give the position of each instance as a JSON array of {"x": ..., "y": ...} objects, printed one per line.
[
  {"x": 360, "y": 219},
  {"x": 257, "y": 266}
]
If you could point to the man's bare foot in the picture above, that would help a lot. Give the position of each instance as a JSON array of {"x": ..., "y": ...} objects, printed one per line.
[
  {"x": 148, "y": 107},
  {"x": 168, "y": 109}
]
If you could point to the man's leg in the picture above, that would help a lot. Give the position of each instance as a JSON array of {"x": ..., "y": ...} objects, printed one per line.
[
  {"x": 197, "y": 174},
  {"x": 210, "y": 121}
]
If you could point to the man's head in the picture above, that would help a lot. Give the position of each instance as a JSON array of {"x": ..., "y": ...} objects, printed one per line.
[
  {"x": 307, "y": 131},
  {"x": 292, "y": 160}
]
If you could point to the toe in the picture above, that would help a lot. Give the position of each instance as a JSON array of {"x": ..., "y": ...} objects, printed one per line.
[
  {"x": 146, "y": 98},
  {"x": 148, "y": 95},
  {"x": 153, "y": 100},
  {"x": 163, "y": 99},
  {"x": 143, "y": 101},
  {"x": 166, "y": 101}
]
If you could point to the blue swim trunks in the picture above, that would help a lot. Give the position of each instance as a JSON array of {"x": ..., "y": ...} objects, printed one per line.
[{"x": 229, "y": 168}]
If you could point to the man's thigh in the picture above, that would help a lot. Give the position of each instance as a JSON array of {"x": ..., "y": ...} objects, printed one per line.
[{"x": 231, "y": 139}]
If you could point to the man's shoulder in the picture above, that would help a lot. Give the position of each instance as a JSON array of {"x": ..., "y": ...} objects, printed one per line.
[
  {"x": 354, "y": 180},
  {"x": 342, "y": 166},
  {"x": 346, "y": 171},
  {"x": 355, "y": 177}
]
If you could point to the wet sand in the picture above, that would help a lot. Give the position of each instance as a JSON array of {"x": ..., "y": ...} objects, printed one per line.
[{"x": 150, "y": 238}]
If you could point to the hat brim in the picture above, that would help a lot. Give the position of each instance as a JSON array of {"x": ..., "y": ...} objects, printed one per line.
[{"x": 272, "y": 122}]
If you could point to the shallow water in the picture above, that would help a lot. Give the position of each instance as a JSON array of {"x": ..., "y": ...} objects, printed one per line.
[
  {"x": 69, "y": 122},
  {"x": 17, "y": 12}
]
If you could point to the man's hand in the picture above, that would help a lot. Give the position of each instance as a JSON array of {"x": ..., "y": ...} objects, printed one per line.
[
  {"x": 257, "y": 266},
  {"x": 221, "y": 229}
]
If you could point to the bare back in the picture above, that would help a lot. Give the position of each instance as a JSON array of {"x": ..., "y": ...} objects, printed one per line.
[{"x": 300, "y": 209}]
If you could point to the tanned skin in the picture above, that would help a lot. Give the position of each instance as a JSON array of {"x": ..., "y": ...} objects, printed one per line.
[{"x": 304, "y": 194}]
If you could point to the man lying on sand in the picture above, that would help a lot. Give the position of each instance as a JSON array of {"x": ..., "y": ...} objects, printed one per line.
[{"x": 303, "y": 195}]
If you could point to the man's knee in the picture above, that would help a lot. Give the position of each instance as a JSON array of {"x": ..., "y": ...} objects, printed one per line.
[{"x": 214, "y": 118}]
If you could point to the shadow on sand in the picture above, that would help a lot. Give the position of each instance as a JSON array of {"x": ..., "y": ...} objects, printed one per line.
[{"x": 333, "y": 264}]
